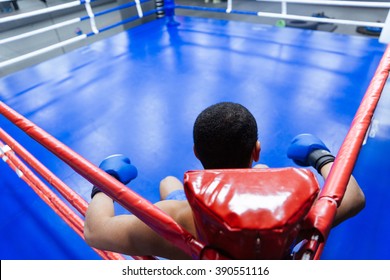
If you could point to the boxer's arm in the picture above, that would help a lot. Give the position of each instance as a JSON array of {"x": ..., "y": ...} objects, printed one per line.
[
  {"x": 353, "y": 201},
  {"x": 126, "y": 233},
  {"x": 308, "y": 150}
]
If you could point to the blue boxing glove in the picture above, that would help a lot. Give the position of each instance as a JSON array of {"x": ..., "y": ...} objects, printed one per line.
[
  {"x": 119, "y": 167},
  {"x": 308, "y": 150}
]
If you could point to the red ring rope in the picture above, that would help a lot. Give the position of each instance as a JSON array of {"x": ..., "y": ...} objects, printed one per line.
[
  {"x": 71, "y": 196},
  {"x": 143, "y": 209},
  {"x": 338, "y": 178},
  {"x": 336, "y": 183},
  {"x": 52, "y": 200},
  {"x": 74, "y": 198}
]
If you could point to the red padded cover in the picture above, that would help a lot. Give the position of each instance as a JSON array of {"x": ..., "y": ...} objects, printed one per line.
[{"x": 250, "y": 213}]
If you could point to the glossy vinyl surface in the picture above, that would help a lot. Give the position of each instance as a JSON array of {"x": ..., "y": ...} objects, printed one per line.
[
  {"x": 260, "y": 210},
  {"x": 254, "y": 199}
]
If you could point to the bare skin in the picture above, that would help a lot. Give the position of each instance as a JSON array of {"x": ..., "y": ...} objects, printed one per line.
[
  {"x": 353, "y": 201},
  {"x": 128, "y": 235}
]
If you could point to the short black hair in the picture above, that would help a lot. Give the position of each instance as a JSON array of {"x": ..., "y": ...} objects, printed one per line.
[{"x": 224, "y": 136}]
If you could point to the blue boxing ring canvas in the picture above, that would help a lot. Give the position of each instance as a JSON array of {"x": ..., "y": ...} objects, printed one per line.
[{"x": 139, "y": 92}]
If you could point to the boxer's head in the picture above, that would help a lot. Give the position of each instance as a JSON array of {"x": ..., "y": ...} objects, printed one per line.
[{"x": 225, "y": 136}]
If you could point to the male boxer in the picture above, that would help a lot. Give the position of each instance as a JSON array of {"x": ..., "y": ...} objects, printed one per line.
[{"x": 225, "y": 136}]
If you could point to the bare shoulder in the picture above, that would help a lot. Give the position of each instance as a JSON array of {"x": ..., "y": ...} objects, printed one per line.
[
  {"x": 260, "y": 166},
  {"x": 142, "y": 240},
  {"x": 180, "y": 211}
]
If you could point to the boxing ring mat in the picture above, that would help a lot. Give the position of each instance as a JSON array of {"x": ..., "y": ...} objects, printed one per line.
[{"x": 139, "y": 92}]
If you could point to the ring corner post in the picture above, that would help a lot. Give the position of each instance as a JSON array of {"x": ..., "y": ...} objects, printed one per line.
[
  {"x": 159, "y": 5},
  {"x": 169, "y": 8}
]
